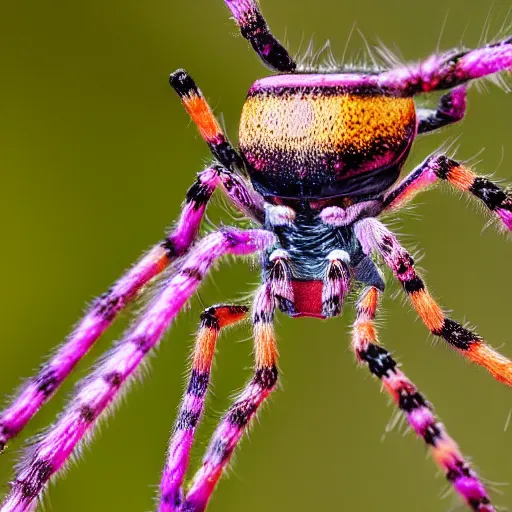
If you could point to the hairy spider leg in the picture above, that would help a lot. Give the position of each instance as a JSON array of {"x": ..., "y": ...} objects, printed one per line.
[
  {"x": 98, "y": 391},
  {"x": 449, "y": 69},
  {"x": 246, "y": 199},
  {"x": 375, "y": 237},
  {"x": 440, "y": 167},
  {"x": 233, "y": 425},
  {"x": 451, "y": 109},
  {"x": 255, "y": 29},
  {"x": 412, "y": 403},
  {"x": 201, "y": 113},
  {"x": 213, "y": 320},
  {"x": 104, "y": 310}
]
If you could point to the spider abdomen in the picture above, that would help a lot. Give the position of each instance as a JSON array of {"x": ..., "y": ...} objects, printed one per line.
[{"x": 323, "y": 140}]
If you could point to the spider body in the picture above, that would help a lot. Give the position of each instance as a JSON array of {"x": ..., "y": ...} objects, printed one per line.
[
  {"x": 338, "y": 137},
  {"x": 323, "y": 153},
  {"x": 308, "y": 245}
]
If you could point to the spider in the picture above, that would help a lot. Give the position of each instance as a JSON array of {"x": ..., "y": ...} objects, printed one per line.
[{"x": 319, "y": 160}]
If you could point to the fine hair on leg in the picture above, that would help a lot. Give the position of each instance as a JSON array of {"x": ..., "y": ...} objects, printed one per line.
[
  {"x": 96, "y": 393},
  {"x": 411, "y": 402}
]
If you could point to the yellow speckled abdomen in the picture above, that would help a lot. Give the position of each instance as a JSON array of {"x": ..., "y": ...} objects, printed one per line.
[{"x": 322, "y": 136}]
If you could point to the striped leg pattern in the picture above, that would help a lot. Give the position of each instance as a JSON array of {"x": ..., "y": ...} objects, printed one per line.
[
  {"x": 412, "y": 403},
  {"x": 375, "y": 237},
  {"x": 255, "y": 29},
  {"x": 212, "y": 321},
  {"x": 96, "y": 393},
  {"x": 439, "y": 167},
  {"x": 449, "y": 69},
  {"x": 202, "y": 115},
  {"x": 237, "y": 419},
  {"x": 105, "y": 309},
  {"x": 239, "y": 190}
]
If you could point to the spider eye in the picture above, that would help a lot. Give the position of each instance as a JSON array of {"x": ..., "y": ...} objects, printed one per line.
[{"x": 324, "y": 141}]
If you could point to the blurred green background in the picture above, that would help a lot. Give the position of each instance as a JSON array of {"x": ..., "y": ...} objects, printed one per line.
[{"x": 96, "y": 156}]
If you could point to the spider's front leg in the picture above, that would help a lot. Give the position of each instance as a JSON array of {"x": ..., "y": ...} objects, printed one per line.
[
  {"x": 439, "y": 167},
  {"x": 414, "y": 406},
  {"x": 449, "y": 69},
  {"x": 212, "y": 321},
  {"x": 375, "y": 237},
  {"x": 275, "y": 292},
  {"x": 97, "y": 392},
  {"x": 105, "y": 309},
  {"x": 237, "y": 419}
]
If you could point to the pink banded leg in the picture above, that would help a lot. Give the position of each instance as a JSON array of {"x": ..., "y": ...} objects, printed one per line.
[
  {"x": 449, "y": 69},
  {"x": 376, "y": 238},
  {"x": 97, "y": 392},
  {"x": 415, "y": 407},
  {"x": 103, "y": 312},
  {"x": 212, "y": 321},
  {"x": 239, "y": 415},
  {"x": 439, "y": 167}
]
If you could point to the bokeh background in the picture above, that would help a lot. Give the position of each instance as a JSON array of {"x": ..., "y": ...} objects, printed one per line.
[{"x": 96, "y": 156}]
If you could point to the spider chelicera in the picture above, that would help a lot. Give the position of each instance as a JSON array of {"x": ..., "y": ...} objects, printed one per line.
[{"x": 319, "y": 161}]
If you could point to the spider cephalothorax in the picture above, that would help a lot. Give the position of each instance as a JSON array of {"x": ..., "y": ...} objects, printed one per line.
[{"x": 323, "y": 153}]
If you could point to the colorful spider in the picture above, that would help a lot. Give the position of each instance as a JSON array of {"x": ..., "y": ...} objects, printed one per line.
[{"x": 323, "y": 153}]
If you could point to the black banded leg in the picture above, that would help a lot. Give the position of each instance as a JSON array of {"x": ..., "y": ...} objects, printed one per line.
[
  {"x": 376, "y": 238},
  {"x": 417, "y": 410},
  {"x": 237, "y": 419},
  {"x": 441, "y": 168},
  {"x": 201, "y": 113},
  {"x": 451, "y": 108},
  {"x": 255, "y": 29},
  {"x": 213, "y": 320},
  {"x": 105, "y": 309}
]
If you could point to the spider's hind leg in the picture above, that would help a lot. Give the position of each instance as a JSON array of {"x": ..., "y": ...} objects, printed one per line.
[
  {"x": 213, "y": 320},
  {"x": 255, "y": 29},
  {"x": 414, "y": 406}
]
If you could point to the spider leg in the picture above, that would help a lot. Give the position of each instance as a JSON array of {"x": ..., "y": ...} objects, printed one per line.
[
  {"x": 238, "y": 189},
  {"x": 412, "y": 403},
  {"x": 105, "y": 309},
  {"x": 374, "y": 236},
  {"x": 201, "y": 113},
  {"x": 255, "y": 29},
  {"x": 449, "y": 69},
  {"x": 440, "y": 167},
  {"x": 451, "y": 109},
  {"x": 212, "y": 321},
  {"x": 233, "y": 425},
  {"x": 96, "y": 393}
]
